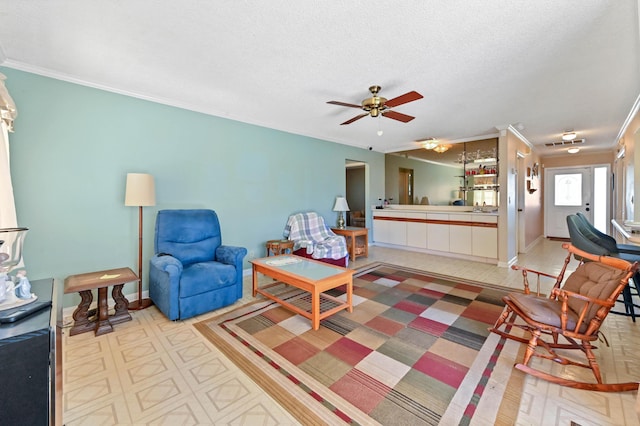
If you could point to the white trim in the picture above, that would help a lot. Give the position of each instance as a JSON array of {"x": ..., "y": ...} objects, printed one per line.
[
  {"x": 533, "y": 244},
  {"x": 627, "y": 121},
  {"x": 513, "y": 261},
  {"x": 517, "y": 133}
]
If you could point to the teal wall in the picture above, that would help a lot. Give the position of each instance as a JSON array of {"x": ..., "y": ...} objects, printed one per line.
[{"x": 74, "y": 145}]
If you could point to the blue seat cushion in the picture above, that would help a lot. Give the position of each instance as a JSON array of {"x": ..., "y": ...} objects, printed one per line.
[{"x": 203, "y": 277}]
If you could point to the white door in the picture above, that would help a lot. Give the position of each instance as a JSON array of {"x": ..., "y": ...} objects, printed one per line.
[{"x": 567, "y": 191}]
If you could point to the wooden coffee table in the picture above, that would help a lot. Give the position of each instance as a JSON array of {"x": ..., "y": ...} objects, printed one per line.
[{"x": 306, "y": 274}]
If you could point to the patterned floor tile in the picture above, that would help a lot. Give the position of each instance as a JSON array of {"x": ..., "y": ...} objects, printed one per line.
[{"x": 155, "y": 371}]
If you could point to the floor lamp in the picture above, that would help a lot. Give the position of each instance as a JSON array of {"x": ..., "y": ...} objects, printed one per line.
[{"x": 140, "y": 192}]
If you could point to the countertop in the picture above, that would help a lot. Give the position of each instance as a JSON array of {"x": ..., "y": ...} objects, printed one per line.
[
  {"x": 626, "y": 231},
  {"x": 437, "y": 209}
]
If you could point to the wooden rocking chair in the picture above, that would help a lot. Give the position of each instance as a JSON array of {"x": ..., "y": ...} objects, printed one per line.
[{"x": 574, "y": 311}]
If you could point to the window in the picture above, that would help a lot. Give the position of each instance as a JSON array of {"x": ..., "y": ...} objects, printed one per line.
[{"x": 568, "y": 189}]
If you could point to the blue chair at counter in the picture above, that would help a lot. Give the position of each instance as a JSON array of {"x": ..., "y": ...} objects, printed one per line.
[
  {"x": 583, "y": 238},
  {"x": 607, "y": 240}
]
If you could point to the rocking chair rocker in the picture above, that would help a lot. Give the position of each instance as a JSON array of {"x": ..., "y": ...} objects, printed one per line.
[{"x": 574, "y": 311}]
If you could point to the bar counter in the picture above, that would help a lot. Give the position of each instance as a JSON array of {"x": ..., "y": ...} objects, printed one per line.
[{"x": 626, "y": 231}]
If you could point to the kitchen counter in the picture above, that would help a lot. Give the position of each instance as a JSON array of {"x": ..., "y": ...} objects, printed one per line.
[
  {"x": 454, "y": 231},
  {"x": 626, "y": 231},
  {"x": 486, "y": 210}
]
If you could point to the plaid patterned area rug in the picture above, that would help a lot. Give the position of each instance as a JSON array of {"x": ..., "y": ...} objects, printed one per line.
[{"x": 415, "y": 350}]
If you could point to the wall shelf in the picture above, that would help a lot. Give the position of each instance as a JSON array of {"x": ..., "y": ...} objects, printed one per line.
[{"x": 480, "y": 182}]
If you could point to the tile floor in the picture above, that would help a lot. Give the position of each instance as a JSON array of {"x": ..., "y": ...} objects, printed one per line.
[{"x": 155, "y": 371}]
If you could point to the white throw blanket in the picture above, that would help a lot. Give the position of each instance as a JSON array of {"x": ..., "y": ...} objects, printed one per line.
[{"x": 308, "y": 230}]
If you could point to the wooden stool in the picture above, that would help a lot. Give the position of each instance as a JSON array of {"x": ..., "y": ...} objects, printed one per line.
[
  {"x": 277, "y": 247},
  {"x": 98, "y": 320}
]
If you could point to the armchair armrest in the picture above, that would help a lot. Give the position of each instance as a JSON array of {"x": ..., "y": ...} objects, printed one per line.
[
  {"x": 565, "y": 296},
  {"x": 231, "y": 255},
  {"x": 167, "y": 263},
  {"x": 525, "y": 278},
  {"x": 164, "y": 283}
]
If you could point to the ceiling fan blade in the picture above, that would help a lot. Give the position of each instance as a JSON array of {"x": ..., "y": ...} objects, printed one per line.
[
  {"x": 398, "y": 116},
  {"x": 357, "y": 117},
  {"x": 403, "y": 99},
  {"x": 344, "y": 104}
]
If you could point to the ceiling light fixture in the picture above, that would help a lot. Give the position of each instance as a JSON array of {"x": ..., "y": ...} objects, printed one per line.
[
  {"x": 441, "y": 148},
  {"x": 573, "y": 150},
  {"x": 429, "y": 143},
  {"x": 569, "y": 135}
]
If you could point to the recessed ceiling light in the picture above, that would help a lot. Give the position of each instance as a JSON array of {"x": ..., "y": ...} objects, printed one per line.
[
  {"x": 573, "y": 150},
  {"x": 569, "y": 136}
]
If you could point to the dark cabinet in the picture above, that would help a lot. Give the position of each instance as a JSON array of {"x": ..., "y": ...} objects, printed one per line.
[{"x": 31, "y": 363}]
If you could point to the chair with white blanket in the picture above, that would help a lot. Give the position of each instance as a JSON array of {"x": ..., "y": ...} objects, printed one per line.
[{"x": 314, "y": 239}]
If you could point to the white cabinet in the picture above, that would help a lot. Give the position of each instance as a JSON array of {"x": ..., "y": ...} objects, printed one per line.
[
  {"x": 460, "y": 234},
  {"x": 389, "y": 231},
  {"x": 398, "y": 231},
  {"x": 484, "y": 240},
  {"x": 438, "y": 233},
  {"x": 380, "y": 230},
  {"x": 417, "y": 231},
  {"x": 463, "y": 234}
]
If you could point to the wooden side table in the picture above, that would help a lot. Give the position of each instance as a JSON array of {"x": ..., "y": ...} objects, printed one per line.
[
  {"x": 351, "y": 233},
  {"x": 276, "y": 247},
  {"x": 102, "y": 323}
]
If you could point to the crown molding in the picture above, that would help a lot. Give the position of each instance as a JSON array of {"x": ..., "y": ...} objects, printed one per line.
[{"x": 628, "y": 120}]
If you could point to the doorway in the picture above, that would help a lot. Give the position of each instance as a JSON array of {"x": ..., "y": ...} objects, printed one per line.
[
  {"x": 405, "y": 191},
  {"x": 355, "y": 192},
  {"x": 576, "y": 189}
]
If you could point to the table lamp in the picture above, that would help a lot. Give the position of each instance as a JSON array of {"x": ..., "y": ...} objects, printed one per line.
[
  {"x": 341, "y": 206},
  {"x": 140, "y": 192}
]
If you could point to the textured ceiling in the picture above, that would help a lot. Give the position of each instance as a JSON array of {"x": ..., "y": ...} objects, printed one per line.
[{"x": 544, "y": 65}]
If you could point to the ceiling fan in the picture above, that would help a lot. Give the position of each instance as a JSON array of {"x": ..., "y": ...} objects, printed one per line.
[{"x": 377, "y": 105}]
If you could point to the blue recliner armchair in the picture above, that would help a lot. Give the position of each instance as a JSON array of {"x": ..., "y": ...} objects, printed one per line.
[{"x": 192, "y": 272}]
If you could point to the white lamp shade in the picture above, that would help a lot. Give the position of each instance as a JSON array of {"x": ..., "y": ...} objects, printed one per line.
[
  {"x": 341, "y": 205},
  {"x": 140, "y": 190}
]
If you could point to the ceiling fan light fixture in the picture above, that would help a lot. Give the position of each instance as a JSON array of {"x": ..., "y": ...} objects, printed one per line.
[
  {"x": 573, "y": 150},
  {"x": 429, "y": 143},
  {"x": 441, "y": 148},
  {"x": 569, "y": 136},
  {"x": 375, "y": 106}
]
